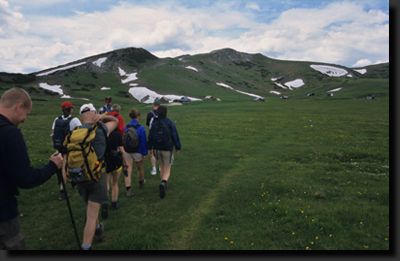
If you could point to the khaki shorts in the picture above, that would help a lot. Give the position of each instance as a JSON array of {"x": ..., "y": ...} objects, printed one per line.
[
  {"x": 135, "y": 156},
  {"x": 165, "y": 157}
]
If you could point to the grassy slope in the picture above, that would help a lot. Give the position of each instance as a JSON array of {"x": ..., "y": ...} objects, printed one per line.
[{"x": 249, "y": 176}]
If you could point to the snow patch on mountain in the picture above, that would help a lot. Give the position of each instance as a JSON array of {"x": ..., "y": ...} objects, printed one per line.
[
  {"x": 329, "y": 70},
  {"x": 57, "y": 89},
  {"x": 129, "y": 77},
  {"x": 335, "y": 90},
  {"x": 229, "y": 87},
  {"x": 60, "y": 69},
  {"x": 362, "y": 71},
  {"x": 99, "y": 61},
  {"x": 275, "y": 92},
  {"x": 295, "y": 84},
  {"x": 191, "y": 68},
  {"x": 145, "y": 95}
]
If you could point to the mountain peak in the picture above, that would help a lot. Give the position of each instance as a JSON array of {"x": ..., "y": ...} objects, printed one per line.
[{"x": 230, "y": 55}]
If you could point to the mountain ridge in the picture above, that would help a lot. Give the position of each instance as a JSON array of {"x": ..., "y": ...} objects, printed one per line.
[{"x": 200, "y": 75}]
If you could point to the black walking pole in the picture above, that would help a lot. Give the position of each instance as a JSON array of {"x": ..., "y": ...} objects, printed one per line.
[{"x": 60, "y": 177}]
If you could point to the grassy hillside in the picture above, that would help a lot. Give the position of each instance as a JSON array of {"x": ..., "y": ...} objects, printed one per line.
[
  {"x": 287, "y": 175},
  {"x": 249, "y": 73}
]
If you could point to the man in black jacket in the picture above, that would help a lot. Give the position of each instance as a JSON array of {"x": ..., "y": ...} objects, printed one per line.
[{"x": 15, "y": 168}]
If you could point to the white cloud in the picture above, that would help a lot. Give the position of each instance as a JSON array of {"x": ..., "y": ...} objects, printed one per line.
[
  {"x": 253, "y": 6},
  {"x": 335, "y": 32},
  {"x": 11, "y": 23},
  {"x": 362, "y": 63}
]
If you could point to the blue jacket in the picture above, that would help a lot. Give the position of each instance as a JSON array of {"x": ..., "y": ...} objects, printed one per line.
[
  {"x": 141, "y": 131},
  {"x": 174, "y": 134},
  {"x": 16, "y": 170}
]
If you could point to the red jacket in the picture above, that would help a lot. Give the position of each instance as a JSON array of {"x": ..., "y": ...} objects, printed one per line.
[{"x": 121, "y": 124}]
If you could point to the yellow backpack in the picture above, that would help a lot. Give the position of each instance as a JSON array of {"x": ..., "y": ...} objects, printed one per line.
[{"x": 83, "y": 165}]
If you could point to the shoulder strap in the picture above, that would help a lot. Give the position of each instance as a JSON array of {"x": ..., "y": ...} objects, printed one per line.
[
  {"x": 154, "y": 115},
  {"x": 137, "y": 126}
]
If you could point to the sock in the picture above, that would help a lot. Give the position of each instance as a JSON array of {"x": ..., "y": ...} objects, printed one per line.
[
  {"x": 85, "y": 247},
  {"x": 114, "y": 201},
  {"x": 98, "y": 226},
  {"x": 164, "y": 181},
  {"x": 154, "y": 168},
  {"x": 128, "y": 188},
  {"x": 141, "y": 181},
  {"x": 61, "y": 187}
]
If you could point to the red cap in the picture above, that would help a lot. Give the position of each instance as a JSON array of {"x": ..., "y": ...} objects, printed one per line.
[{"x": 66, "y": 105}]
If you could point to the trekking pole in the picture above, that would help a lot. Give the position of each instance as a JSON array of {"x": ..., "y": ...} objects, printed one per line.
[{"x": 60, "y": 177}]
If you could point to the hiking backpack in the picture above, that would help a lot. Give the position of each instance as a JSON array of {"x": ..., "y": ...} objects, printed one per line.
[
  {"x": 112, "y": 157},
  {"x": 131, "y": 139},
  {"x": 84, "y": 167},
  {"x": 161, "y": 134},
  {"x": 61, "y": 129}
]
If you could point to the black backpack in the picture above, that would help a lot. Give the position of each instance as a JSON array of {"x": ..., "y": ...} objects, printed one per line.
[
  {"x": 131, "y": 139},
  {"x": 161, "y": 134},
  {"x": 112, "y": 157},
  {"x": 61, "y": 129}
]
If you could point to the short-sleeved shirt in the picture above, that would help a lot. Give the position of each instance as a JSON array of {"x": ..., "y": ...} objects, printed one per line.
[
  {"x": 114, "y": 140},
  {"x": 72, "y": 125}
]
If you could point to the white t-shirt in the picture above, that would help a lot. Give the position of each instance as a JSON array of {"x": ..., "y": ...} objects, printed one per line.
[{"x": 72, "y": 125}]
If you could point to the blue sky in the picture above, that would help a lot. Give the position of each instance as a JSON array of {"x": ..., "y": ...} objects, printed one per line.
[{"x": 35, "y": 35}]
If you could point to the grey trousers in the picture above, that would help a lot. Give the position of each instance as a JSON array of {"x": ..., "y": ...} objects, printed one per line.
[{"x": 11, "y": 236}]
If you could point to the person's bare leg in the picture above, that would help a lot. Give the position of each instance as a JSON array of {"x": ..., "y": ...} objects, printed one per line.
[
  {"x": 114, "y": 185},
  {"x": 128, "y": 180},
  {"x": 92, "y": 220},
  {"x": 166, "y": 170}
]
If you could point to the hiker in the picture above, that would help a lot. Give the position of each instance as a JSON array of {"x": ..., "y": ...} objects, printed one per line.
[
  {"x": 95, "y": 194},
  {"x": 107, "y": 107},
  {"x": 61, "y": 126},
  {"x": 115, "y": 144},
  {"x": 15, "y": 168},
  {"x": 163, "y": 137},
  {"x": 115, "y": 109},
  {"x": 150, "y": 117},
  {"x": 138, "y": 154}
]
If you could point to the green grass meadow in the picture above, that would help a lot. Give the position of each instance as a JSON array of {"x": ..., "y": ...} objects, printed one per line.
[{"x": 276, "y": 175}]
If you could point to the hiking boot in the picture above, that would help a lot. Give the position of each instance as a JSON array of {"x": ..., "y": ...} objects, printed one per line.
[
  {"x": 163, "y": 189},
  {"x": 99, "y": 232},
  {"x": 129, "y": 193},
  {"x": 104, "y": 210},
  {"x": 114, "y": 205},
  {"x": 62, "y": 195},
  {"x": 141, "y": 185},
  {"x": 153, "y": 171}
]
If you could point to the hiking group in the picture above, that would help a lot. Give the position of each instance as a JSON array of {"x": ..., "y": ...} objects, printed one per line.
[{"x": 90, "y": 155}]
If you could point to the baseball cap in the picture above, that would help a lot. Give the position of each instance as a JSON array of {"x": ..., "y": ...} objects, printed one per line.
[
  {"x": 86, "y": 108},
  {"x": 66, "y": 105},
  {"x": 157, "y": 102}
]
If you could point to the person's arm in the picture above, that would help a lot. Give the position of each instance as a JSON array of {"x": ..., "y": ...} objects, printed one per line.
[
  {"x": 143, "y": 140},
  {"x": 110, "y": 121},
  {"x": 18, "y": 163},
  {"x": 175, "y": 137}
]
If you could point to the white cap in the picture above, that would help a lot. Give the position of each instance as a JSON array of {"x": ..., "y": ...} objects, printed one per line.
[{"x": 84, "y": 106}]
